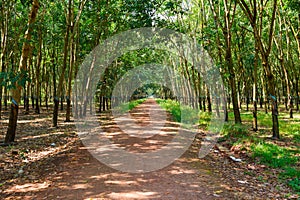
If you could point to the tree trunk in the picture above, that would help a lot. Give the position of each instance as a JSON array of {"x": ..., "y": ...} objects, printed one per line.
[
  {"x": 16, "y": 92},
  {"x": 32, "y": 98},
  {"x": 247, "y": 102},
  {"x": 297, "y": 93},
  {"x": 55, "y": 98},
  {"x": 200, "y": 101},
  {"x": 62, "y": 98},
  {"x": 68, "y": 110},
  {"x": 55, "y": 112},
  {"x": 229, "y": 63},
  {"x": 218, "y": 106},
  {"x": 38, "y": 69},
  {"x": 46, "y": 101},
  {"x": 271, "y": 90},
  {"x": 3, "y": 45},
  {"x": 208, "y": 97},
  {"x": 12, "y": 125},
  {"x": 27, "y": 106},
  {"x": 236, "y": 111},
  {"x": 91, "y": 106},
  {"x": 225, "y": 108},
  {"x": 100, "y": 104},
  {"x": 265, "y": 50},
  {"x": 5, "y": 98},
  {"x": 1, "y": 101},
  {"x": 64, "y": 65},
  {"x": 264, "y": 96},
  {"x": 72, "y": 48},
  {"x": 103, "y": 103},
  {"x": 71, "y": 59},
  {"x": 107, "y": 102},
  {"x": 254, "y": 122}
]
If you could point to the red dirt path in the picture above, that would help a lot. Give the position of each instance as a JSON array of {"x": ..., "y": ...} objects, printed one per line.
[{"x": 73, "y": 173}]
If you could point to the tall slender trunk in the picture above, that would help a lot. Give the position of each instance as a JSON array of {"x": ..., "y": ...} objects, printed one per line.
[
  {"x": 1, "y": 98},
  {"x": 265, "y": 49},
  {"x": 72, "y": 48},
  {"x": 225, "y": 104},
  {"x": 38, "y": 69},
  {"x": 282, "y": 58},
  {"x": 64, "y": 66},
  {"x": 5, "y": 98},
  {"x": 254, "y": 122},
  {"x": 236, "y": 111},
  {"x": 271, "y": 89},
  {"x": 69, "y": 85},
  {"x": 55, "y": 98},
  {"x": 297, "y": 93},
  {"x": 204, "y": 98},
  {"x": 28, "y": 85},
  {"x": 16, "y": 92},
  {"x": 208, "y": 97},
  {"x": 1, "y": 89},
  {"x": 229, "y": 16},
  {"x": 3, "y": 45}
]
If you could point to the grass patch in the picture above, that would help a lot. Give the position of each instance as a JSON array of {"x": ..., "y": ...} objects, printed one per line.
[
  {"x": 180, "y": 113},
  {"x": 125, "y": 107},
  {"x": 295, "y": 184},
  {"x": 185, "y": 115},
  {"x": 234, "y": 130},
  {"x": 234, "y": 134},
  {"x": 273, "y": 155},
  {"x": 283, "y": 155},
  {"x": 289, "y": 128},
  {"x": 172, "y": 107},
  {"x": 204, "y": 119}
]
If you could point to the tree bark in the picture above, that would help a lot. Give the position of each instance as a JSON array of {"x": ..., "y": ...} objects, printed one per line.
[
  {"x": 208, "y": 98},
  {"x": 226, "y": 29},
  {"x": 64, "y": 65},
  {"x": 265, "y": 50},
  {"x": 72, "y": 48},
  {"x": 254, "y": 122},
  {"x": 38, "y": 69},
  {"x": 297, "y": 93},
  {"x": 16, "y": 92},
  {"x": 70, "y": 77}
]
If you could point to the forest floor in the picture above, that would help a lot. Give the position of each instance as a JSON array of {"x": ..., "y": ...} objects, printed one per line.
[{"x": 53, "y": 163}]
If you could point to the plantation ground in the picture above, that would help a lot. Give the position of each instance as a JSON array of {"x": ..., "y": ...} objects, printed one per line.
[{"x": 50, "y": 163}]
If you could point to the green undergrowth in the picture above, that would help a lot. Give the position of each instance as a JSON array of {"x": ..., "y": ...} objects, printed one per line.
[
  {"x": 281, "y": 157},
  {"x": 173, "y": 107},
  {"x": 125, "y": 107},
  {"x": 282, "y": 154},
  {"x": 289, "y": 128},
  {"x": 180, "y": 113}
]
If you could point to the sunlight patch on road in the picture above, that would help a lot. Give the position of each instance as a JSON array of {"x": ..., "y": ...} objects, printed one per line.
[
  {"x": 133, "y": 195},
  {"x": 28, "y": 187}
]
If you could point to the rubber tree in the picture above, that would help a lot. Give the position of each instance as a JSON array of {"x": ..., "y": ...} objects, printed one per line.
[
  {"x": 72, "y": 49},
  {"x": 17, "y": 90},
  {"x": 226, "y": 27},
  {"x": 254, "y": 13}
]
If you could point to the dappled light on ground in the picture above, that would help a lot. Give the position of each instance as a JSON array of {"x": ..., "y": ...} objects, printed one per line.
[{"x": 52, "y": 163}]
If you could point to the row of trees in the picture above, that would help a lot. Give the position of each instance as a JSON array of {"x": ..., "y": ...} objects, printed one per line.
[{"x": 255, "y": 45}]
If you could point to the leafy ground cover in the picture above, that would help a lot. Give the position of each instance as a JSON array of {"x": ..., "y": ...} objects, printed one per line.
[{"x": 282, "y": 155}]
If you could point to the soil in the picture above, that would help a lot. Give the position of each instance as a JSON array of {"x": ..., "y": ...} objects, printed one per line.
[{"x": 53, "y": 163}]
